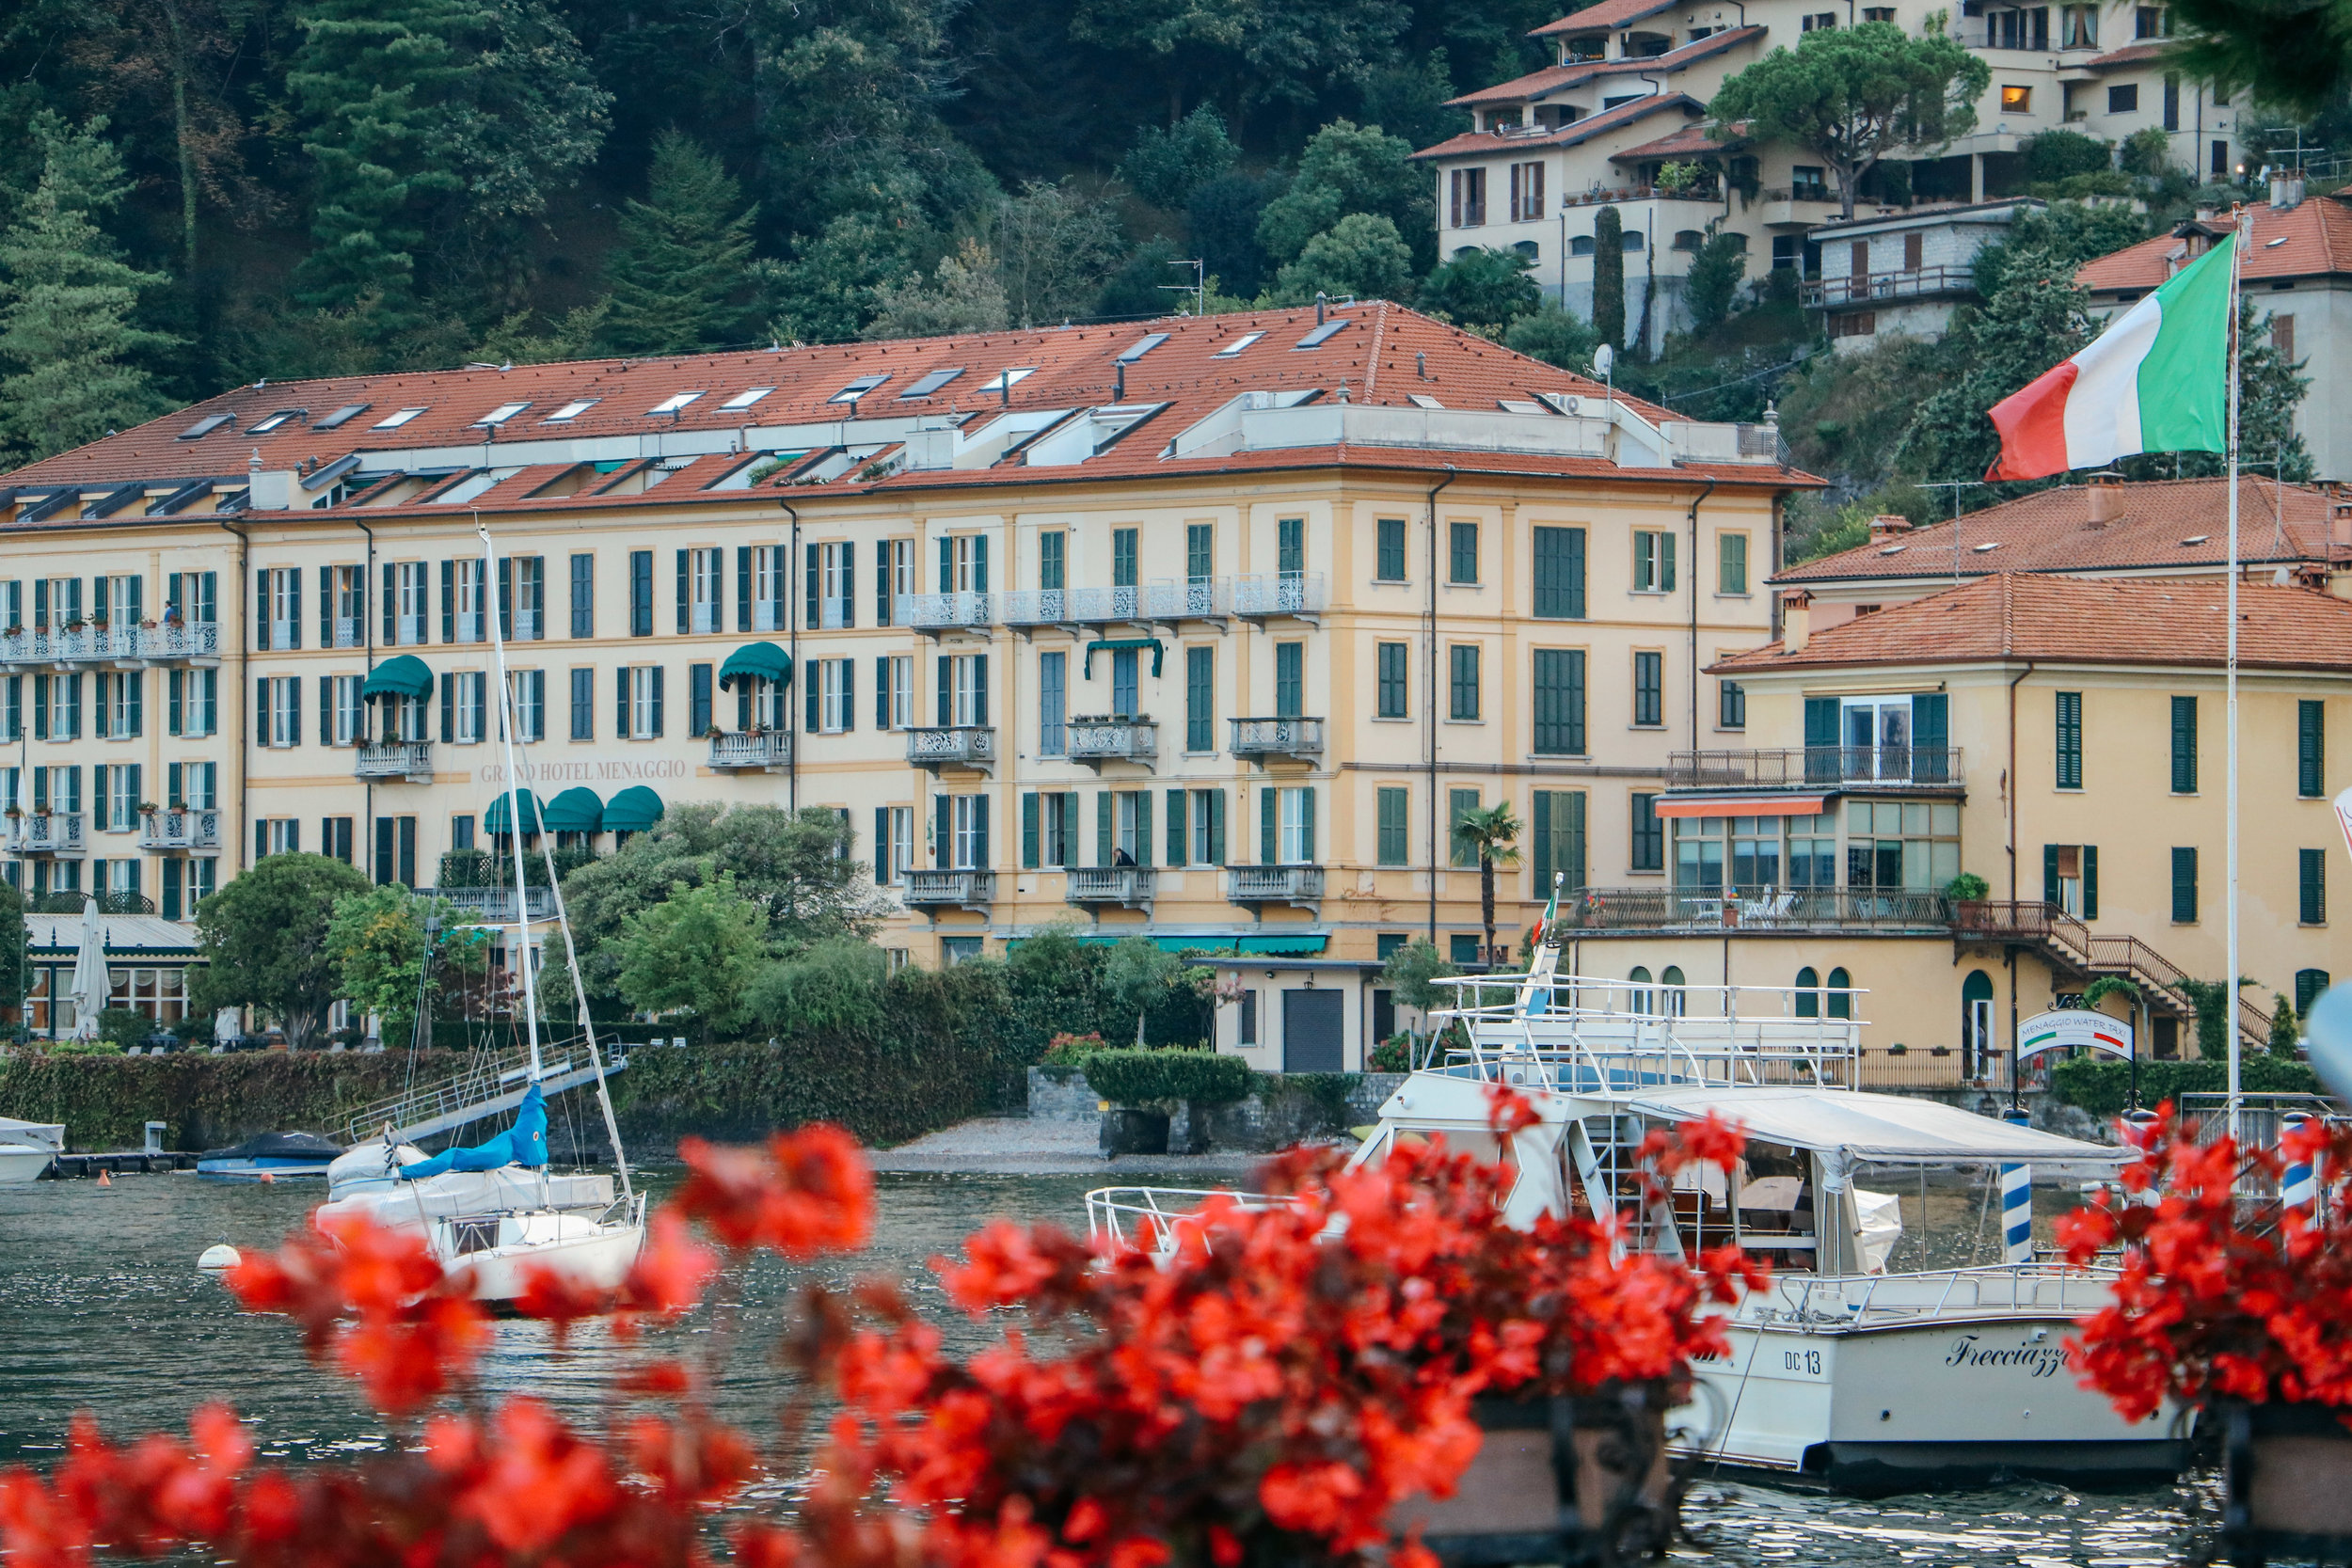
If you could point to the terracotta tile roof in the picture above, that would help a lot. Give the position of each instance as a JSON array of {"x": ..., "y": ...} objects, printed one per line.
[
  {"x": 2050, "y": 531},
  {"x": 2077, "y": 620},
  {"x": 1687, "y": 142},
  {"x": 1609, "y": 13},
  {"x": 2131, "y": 54},
  {"x": 1486, "y": 143},
  {"x": 1384, "y": 355},
  {"x": 2308, "y": 240},
  {"x": 1552, "y": 78}
]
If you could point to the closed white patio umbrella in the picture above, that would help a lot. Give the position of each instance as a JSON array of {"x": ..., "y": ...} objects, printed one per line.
[{"x": 89, "y": 989}]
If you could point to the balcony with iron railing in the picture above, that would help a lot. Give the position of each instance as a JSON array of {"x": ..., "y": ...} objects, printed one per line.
[
  {"x": 411, "y": 760},
  {"x": 938, "y": 746},
  {"x": 1301, "y": 596},
  {"x": 122, "y": 647},
  {"x": 180, "y": 828},
  {"x": 495, "y": 905},
  {"x": 1879, "y": 287},
  {"x": 196, "y": 643},
  {"x": 46, "y": 832},
  {"x": 1073, "y": 607},
  {"x": 754, "y": 751},
  {"x": 963, "y": 890},
  {"x": 1299, "y": 886},
  {"x": 1760, "y": 910},
  {"x": 1125, "y": 886},
  {"x": 1297, "y": 739},
  {"x": 934, "y": 614},
  {"x": 1931, "y": 768},
  {"x": 1110, "y": 739}
]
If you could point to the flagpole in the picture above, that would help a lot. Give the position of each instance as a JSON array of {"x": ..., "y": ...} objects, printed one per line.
[{"x": 2237, "y": 260}]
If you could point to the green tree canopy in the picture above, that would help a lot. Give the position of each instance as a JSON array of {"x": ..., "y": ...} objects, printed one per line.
[
  {"x": 263, "y": 939},
  {"x": 963, "y": 296},
  {"x": 378, "y": 942},
  {"x": 1555, "y": 336},
  {"x": 1609, "y": 276},
  {"x": 1167, "y": 165},
  {"x": 71, "y": 350},
  {"x": 1484, "y": 290},
  {"x": 697, "y": 952},
  {"x": 1412, "y": 970},
  {"x": 1361, "y": 255},
  {"x": 2298, "y": 52},
  {"x": 1851, "y": 95},
  {"x": 1348, "y": 168},
  {"x": 1714, "y": 278},
  {"x": 678, "y": 276}
]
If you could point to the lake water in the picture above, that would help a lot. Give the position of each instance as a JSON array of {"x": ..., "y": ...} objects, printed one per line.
[{"x": 101, "y": 1308}]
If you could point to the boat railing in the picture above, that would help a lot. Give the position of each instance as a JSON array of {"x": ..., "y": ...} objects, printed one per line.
[
  {"x": 1575, "y": 1033},
  {"x": 1153, "y": 1219},
  {"x": 2045, "y": 1284},
  {"x": 2260, "y": 1123}
]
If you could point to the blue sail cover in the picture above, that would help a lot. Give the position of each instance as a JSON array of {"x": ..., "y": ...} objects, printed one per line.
[{"x": 523, "y": 1144}]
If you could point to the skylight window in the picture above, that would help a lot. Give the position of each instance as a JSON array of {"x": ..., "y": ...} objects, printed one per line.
[
  {"x": 1894, "y": 550},
  {"x": 398, "y": 417},
  {"x": 1004, "y": 379},
  {"x": 1322, "y": 335},
  {"x": 1237, "y": 346},
  {"x": 1143, "y": 346},
  {"x": 503, "y": 413},
  {"x": 672, "y": 404},
  {"x": 931, "y": 381},
  {"x": 748, "y": 396},
  {"x": 1423, "y": 399},
  {"x": 2269, "y": 244},
  {"x": 2195, "y": 538},
  {"x": 272, "y": 423},
  {"x": 344, "y": 415},
  {"x": 571, "y": 411},
  {"x": 1519, "y": 405},
  {"x": 1988, "y": 545},
  {"x": 203, "y": 427},
  {"x": 858, "y": 388}
]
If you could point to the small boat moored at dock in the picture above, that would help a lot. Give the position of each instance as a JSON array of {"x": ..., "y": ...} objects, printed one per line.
[
  {"x": 280, "y": 1156},
  {"x": 28, "y": 1148}
]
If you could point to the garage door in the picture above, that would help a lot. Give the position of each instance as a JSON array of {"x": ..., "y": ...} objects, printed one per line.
[{"x": 1314, "y": 1031}]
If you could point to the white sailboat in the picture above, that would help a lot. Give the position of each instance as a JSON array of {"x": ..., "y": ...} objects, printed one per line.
[{"x": 494, "y": 1213}]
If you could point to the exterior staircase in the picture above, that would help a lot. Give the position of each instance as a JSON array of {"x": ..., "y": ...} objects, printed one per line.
[
  {"x": 493, "y": 1085},
  {"x": 2075, "y": 949}
]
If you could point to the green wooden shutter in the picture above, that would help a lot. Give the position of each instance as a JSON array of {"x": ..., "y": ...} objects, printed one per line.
[
  {"x": 1568, "y": 840},
  {"x": 742, "y": 588},
  {"x": 1216, "y": 827},
  {"x": 1665, "y": 560},
  {"x": 1820, "y": 722},
  {"x": 449, "y": 602},
  {"x": 2091, "y": 882},
  {"x": 2184, "y": 886},
  {"x": 1102, "y": 827},
  {"x": 2069, "y": 711},
  {"x": 620, "y": 697},
  {"x": 2311, "y": 749},
  {"x": 2049, "y": 874},
  {"x": 1542, "y": 833},
  {"x": 1269, "y": 826},
  {"x": 681, "y": 592},
  {"x": 1931, "y": 734},
  {"x": 980, "y": 856},
  {"x": 980, "y": 563},
  {"x": 943, "y": 831},
  {"x": 1307, "y": 824},
  {"x": 1029, "y": 829},
  {"x": 979, "y": 689},
  {"x": 1069, "y": 828},
  {"x": 657, "y": 702},
  {"x": 1143, "y": 827},
  {"x": 1179, "y": 852},
  {"x": 814, "y": 693},
  {"x": 2183, "y": 745},
  {"x": 811, "y": 576},
  {"x": 946, "y": 690},
  {"x": 882, "y": 848}
]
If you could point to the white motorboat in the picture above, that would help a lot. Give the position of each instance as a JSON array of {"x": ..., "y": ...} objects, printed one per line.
[
  {"x": 1886, "y": 1354},
  {"x": 27, "y": 1149}
]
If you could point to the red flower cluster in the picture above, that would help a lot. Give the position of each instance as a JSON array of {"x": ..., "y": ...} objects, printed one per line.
[
  {"x": 1271, "y": 1389},
  {"x": 2217, "y": 1295}
]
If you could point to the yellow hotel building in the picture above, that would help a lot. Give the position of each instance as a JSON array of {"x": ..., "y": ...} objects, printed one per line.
[{"x": 1202, "y": 628}]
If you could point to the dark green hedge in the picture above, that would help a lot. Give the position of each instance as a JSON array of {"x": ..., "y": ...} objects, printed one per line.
[
  {"x": 209, "y": 1102},
  {"x": 1146, "y": 1078},
  {"x": 2103, "y": 1086}
]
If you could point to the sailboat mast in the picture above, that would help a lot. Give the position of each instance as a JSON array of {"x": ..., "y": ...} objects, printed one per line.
[
  {"x": 514, "y": 795},
  {"x": 2229, "y": 981}
]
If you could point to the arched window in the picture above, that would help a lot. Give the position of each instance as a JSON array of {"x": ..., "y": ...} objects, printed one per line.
[
  {"x": 1809, "y": 992},
  {"x": 1580, "y": 244},
  {"x": 1976, "y": 1025},
  {"x": 1530, "y": 249},
  {"x": 1677, "y": 1003},
  {"x": 1689, "y": 239},
  {"x": 1841, "y": 994},
  {"x": 2310, "y": 986},
  {"x": 1641, "y": 996}
]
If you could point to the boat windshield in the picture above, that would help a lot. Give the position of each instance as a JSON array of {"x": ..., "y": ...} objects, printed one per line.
[{"x": 1480, "y": 1144}]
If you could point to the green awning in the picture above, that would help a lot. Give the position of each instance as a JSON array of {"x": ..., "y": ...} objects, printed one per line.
[
  {"x": 575, "y": 811},
  {"x": 1120, "y": 644},
  {"x": 756, "y": 661},
  {"x": 1214, "y": 943},
  {"x": 495, "y": 820},
  {"x": 404, "y": 676},
  {"x": 632, "y": 811}
]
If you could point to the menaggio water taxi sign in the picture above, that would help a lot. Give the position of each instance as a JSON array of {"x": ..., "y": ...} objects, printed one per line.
[{"x": 2066, "y": 1027}]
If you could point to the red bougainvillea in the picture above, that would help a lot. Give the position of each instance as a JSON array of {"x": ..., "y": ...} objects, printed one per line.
[
  {"x": 2218, "y": 1296},
  {"x": 1266, "y": 1390}
]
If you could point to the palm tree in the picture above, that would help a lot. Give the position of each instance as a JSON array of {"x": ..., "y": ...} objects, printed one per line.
[{"x": 1492, "y": 833}]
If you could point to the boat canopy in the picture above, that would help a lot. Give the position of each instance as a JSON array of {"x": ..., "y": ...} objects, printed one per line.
[
  {"x": 403, "y": 676},
  {"x": 633, "y": 810},
  {"x": 33, "y": 1134},
  {"x": 495, "y": 819},
  {"x": 1881, "y": 1129},
  {"x": 523, "y": 1144},
  {"x": 575, "y": 811}
]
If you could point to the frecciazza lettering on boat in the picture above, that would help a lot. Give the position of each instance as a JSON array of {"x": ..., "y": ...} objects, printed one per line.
[
  {"x": 587, "y": 772},
  {"x": 2043, "y": 1360}
]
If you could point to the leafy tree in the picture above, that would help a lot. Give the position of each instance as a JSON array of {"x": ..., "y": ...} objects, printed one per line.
[
  {"x": 1146, "y": 282},
  {"x": 2058, "y": 154},
  {"x": 1247, "y": 51},
  {"x": 697, "y": 952},
  {"x": 1851, "y": 95},
  {"x": 2065, "y": 233},
  {"x": 377, "y": 942},
  {"x": 1484, "y": 290},
  {"x": 826, "y": 292},
  {"x": 573, "y": 335},
  {"x": 1410, "y": 99},
  {"x": 12, "y": 946},
  {"x": 1555, "y": 336},
  {"x": 964, "y": 295},
  {"x": 1348, "y": 168},
  {"x": 2036, "y": 316},
  {"x": 1490, "y": 834},
  {"x": 1608, "y": 275},
  {"x": 1714, "y": 278},
  {"x": 836, "y": 987},
  {"x": 2286, "y": 1029},
  {"x": 1054, "y": 248},
  {"x": 263, "y": 939},
  {"x": 799, "y": 867},
  {"x": 68, "y": 345},
  {"x": 1223, "y": 216},
  {"x": 1167, "y": 165},
  {"x": 2299, "y": 53},
  {"x": 1055, "y": 984},
  {"x": 1361, "y": 255},
  {"x": 1411, "y": 973},
  {"x": 677, "y": 277},
  {"x": 1138, "y": 976}
]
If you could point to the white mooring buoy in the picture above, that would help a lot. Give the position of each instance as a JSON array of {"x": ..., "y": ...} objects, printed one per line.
[{"x": 220, "y": 1255}]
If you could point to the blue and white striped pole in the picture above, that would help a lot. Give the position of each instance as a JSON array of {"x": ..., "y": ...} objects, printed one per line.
[
  {"x": 2298, "y": 1187},
  {"x": 2016, "y": 1206}
]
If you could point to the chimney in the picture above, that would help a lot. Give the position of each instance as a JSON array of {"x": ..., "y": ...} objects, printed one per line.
[
  {"x": 2103, "y": 509},
  {"x": 1796, "y": 620},
  {"x": 2287, "y": 191},
  {"x": 2339, "y": 523},
  {"x": 1887, "y": 524}
]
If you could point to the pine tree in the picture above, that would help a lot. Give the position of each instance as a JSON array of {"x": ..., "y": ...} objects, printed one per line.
[
  {"x": 1609, "y": 276},
  {"x": 68, "y": 338},
  {"x": 678, "y": 276}
]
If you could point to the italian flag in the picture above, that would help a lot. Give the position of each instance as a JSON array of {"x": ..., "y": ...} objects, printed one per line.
[{"x": 2156, "y": 380}]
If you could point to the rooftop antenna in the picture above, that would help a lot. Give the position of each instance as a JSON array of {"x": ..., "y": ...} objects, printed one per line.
[
  {"x": 1955, "y": 486},
  {"x": 1197, "y": 288}
]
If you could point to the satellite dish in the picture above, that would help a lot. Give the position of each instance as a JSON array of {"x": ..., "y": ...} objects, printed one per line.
[{"x": 1604, "y": 359}]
